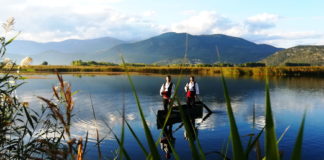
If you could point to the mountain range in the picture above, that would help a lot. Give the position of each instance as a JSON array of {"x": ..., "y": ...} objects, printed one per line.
[
  {"x": 63, "y": 52},
  {"x": 162, "y": 49},
  {"x": 201, "y": 49}
]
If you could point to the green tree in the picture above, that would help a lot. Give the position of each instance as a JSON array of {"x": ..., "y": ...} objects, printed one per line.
[{"x": 45, "y": 63}]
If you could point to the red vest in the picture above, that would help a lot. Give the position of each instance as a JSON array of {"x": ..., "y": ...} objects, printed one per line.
[
  {"x": 167, "y": 94},
  {"x": 191, "y": 94}
]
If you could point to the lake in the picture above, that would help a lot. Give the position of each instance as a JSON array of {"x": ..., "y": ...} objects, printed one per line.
[{"x": 289, "y": 97}]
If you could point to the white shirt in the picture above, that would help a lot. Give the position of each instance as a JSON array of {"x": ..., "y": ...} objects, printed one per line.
[
  {"x": 191, "y": 85},
  {"x": 167, "y": 84}
]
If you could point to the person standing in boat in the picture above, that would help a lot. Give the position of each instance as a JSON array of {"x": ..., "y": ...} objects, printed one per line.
[
  {"x": 167, "y": 91},
  {"x": 192, "y": 91}
]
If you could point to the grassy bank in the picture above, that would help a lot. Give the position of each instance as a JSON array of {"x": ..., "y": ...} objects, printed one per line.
[{"x": 236, "y": 71}]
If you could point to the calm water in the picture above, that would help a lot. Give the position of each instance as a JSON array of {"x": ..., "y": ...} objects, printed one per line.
[{"x": 289, "y": 97}]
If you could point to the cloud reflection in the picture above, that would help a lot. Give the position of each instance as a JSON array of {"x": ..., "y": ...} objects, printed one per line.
[
  {"x": 259, "y": 121},
  {"x": 81, "y": 127}
]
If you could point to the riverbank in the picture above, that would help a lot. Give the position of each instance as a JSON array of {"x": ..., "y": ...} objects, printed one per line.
[{"x": 235, "y": 71}]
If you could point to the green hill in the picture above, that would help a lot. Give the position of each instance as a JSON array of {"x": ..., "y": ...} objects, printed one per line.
[
  {"x": 313, "y": 55},
  {"x": 201, "y": 49}
]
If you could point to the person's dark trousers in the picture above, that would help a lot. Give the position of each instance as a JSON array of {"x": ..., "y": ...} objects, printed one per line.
[
  {"x": 167, "y": 132},
  {"x": 190, "y": 101},
  {"x": 165, "y": 104}
]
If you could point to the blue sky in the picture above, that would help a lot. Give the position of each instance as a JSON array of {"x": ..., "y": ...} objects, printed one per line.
[{"x": 279, "y": 23}]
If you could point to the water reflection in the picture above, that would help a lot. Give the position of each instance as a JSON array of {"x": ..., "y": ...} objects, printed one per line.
[
  {"x": 289, "y": 97},
  {"x": 167, "y": 142},
  {"x": 190, "y": 114}
]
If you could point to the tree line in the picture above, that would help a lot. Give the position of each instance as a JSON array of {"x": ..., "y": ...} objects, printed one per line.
[{"x": 248, "y": 64}]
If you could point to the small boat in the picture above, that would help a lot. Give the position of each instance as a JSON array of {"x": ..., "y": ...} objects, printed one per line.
[{"x": 175, "y": 117}]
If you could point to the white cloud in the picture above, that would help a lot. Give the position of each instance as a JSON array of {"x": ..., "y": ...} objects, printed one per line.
[
  {"x": 83, "y": 19},
  {"x": 149, "y": 13},
  {"x": 320, "y": 42},
  {"x": 261, "y": 22},
  {"x": 298, "y": 35},
  {"x": 205, "y": 22},
  {"x": 80, "y": 19},
  {"x": 262, "y": 28},
  {"x": 286, "y": 39},
  {"x": 209, "y": 22},
  {"x": 263, "y": 18},
  {"x": 189, "y": 12}
]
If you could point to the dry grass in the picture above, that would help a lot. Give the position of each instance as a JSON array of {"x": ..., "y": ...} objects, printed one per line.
[{"x": 234, "y": 71}]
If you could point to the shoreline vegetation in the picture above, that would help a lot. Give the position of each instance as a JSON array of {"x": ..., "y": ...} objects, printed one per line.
[{"x": 229, "y": 71}]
